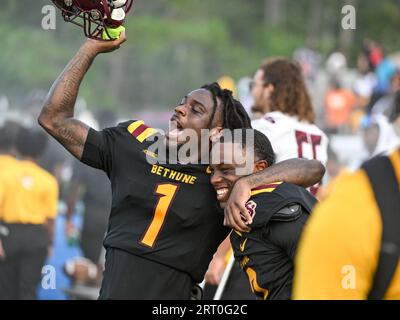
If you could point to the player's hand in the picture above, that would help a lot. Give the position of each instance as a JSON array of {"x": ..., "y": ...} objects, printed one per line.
[
  {"x": 215, "y": 271},
  {"x": 102, "y": 46},
  {"x": 236, "y": 215},
  {"x": 2, "y": 252}
]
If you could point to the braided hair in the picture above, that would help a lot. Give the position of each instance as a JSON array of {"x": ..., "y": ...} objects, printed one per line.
[{"x": 234, "y": 114}]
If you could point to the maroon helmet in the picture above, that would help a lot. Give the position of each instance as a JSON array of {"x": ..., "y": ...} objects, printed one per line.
[{"x": 94, "y": 16}]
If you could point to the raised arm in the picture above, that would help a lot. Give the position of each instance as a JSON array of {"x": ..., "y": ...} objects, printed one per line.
[
  {"x": 302, "y": 172},
  {"x": 57, "y": 116}
]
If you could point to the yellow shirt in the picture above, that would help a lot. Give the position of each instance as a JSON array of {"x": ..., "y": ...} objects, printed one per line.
[
  {"x": 339, "y": 251},
  {"x": 28, "y": 194},
  {"x": 5, "y": 162}
]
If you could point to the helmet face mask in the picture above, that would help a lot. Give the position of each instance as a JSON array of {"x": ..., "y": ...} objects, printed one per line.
[{"x": 94, "y": 16}]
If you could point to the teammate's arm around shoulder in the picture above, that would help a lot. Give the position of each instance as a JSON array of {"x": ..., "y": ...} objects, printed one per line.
[
  {"x": 57, "y": 116},
  {"x": 301, "y": 172}
]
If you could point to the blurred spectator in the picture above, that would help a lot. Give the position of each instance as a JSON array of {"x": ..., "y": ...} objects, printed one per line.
[
  {"x": 373, "y": 52},
  {"x": 28, "y": 202},
  {"x": 365, "y": 82},
  {"x": 8, "y": 134},
  {"x": 386, "y": 102},
  {"x": 280, "y": 93},
  {"x": 309, "y": 61},
  {"x": 363, "y": 87},
  {"x": 385, "y": 71},
  {"x": 7, "y": 159},
  {"x": 379, "y": 135},
  {"x": 336, "y": 63},
  {"x": 394, "y": 114},
  {"x": 338, "y": 104}
]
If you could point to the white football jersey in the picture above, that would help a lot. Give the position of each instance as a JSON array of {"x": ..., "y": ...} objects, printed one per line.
[{"x": 291, "y": 138}]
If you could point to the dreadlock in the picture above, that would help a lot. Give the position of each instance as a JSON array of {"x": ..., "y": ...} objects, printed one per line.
[{"x": 234, "y": 114}]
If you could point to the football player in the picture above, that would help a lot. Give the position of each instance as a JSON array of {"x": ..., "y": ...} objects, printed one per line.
[
  {"x": 165, "y": 223},
  {"x": 279, "y": 211},
  {"x": 288, "y": 120}
]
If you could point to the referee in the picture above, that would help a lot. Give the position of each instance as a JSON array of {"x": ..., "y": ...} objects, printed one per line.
[{"x": 28, "y": 206}]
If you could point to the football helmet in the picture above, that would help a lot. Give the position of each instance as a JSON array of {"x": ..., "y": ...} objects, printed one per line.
[{"x": 94, "y": 16}]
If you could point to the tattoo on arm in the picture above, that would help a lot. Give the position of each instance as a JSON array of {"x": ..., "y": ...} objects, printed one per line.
[
  {"x": 305, "y": 173},
  {"x": 58, "y": 110}
]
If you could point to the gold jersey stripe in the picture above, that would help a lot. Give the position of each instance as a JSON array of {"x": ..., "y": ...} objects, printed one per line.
[
  {"x": 256, "y": 192},
  {"x": 134, "y": 125},
  {"x": 146, "y": 133}
]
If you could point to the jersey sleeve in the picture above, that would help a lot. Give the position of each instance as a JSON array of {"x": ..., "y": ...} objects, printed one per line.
[
  {"x": 273, "y": 130},
  {"x": 103, "y": 147},
  {"x": 264, "y": 206},
  {"x": 97, "y": 152},
  {"x": 270, "y": 199},
  {"x": 272, "y": 126},
  {"x": 340, "y": 245}
]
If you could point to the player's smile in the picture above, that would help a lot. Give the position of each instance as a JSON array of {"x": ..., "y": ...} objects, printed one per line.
[
  {"x": 223, "y": 179},
  {"x": 222, "y": 194},
  {"x": 223, "y": 182},
  {"x": 223, "y": 175}
]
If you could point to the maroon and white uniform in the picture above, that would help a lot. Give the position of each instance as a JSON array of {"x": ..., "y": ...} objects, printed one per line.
[{"x": 291, "y": 138}]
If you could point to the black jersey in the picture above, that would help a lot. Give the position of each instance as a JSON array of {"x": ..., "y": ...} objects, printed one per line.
[
  {"x": 266, "y": 253},
  {"x": 165, "y": 213}
]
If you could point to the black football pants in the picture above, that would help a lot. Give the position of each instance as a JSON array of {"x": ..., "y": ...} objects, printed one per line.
[{"x": 26, "y": 251}]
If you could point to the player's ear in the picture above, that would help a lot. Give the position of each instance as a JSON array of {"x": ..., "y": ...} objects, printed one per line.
[
  {"x": 268, "y": 90},
  {"x": 260, "y": 166}
]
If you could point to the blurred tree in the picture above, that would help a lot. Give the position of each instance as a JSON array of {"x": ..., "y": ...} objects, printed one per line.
[{"x": 177, "y": 45}]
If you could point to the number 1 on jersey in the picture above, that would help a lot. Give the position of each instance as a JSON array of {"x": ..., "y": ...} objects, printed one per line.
[{"x": 167, "y": 193}]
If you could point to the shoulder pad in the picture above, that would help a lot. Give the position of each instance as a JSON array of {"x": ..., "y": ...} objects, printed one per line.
[
  {"x": 140, "y": 131},
  {"x": 289, "y": 213}
]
